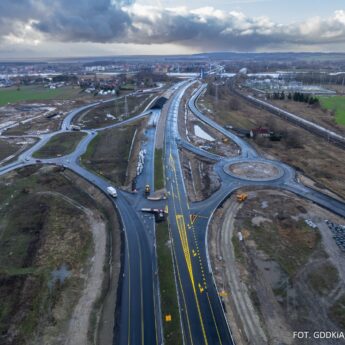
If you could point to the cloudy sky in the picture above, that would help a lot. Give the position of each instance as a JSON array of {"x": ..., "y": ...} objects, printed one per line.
[{"x": 49, "y": 28}]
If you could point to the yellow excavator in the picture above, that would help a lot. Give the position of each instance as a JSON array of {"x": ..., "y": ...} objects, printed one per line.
[{"x": 241, "y": 197}]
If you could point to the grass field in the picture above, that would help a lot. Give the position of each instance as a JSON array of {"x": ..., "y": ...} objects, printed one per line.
[
  {"x": 159, "y": 176},
  {"x": 35, "y": 93},
  {"x": 107, "y": 154},
  {"x": 172, "y": 330},
  {"x": 60, "y": 145},
  {"x": 7, "y": 149},
  {"x": 336, "y": 103},
  {"x": 290, "y": 244},
  {"x": 325, "y": 279},
  {"x": 39, "y": 233},
  {"x": 99, "y": 116}
]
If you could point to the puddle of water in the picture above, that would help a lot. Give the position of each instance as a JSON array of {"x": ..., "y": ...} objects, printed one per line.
[{"x": 199, "y": 132}]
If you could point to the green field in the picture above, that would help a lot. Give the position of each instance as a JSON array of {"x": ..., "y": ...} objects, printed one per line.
[
  {"x": 60, "y": 145},
  {"x": 39, "y": 233},
  {"x": 159, "y": 176},
  {"x": 107, "y": 154},
  {"x": 35, "y": 93},
  {"x": 336, "y": 103},
  {"x": 172, "y": 329}
]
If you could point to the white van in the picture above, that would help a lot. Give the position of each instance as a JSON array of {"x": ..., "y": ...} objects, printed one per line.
[{"x": 112, "y": 191}]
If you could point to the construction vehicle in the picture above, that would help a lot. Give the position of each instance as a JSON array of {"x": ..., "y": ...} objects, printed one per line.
[
  {"x": 112, "y": 191},
  {"x": 158, "y": 213},
  {"x": 74, "y": 128},
  {"x": 241, "y": 197},
  {"x": 147, "y": 189}
]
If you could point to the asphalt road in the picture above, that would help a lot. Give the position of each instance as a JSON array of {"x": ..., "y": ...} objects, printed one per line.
[
  {"x": 140, "y": 318},
  {"x": 202, "y": 314},
  {"x": 201, "y": 311}
]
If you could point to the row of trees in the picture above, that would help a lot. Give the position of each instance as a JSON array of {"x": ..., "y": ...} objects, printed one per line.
[{"x": 296, "y": 96}]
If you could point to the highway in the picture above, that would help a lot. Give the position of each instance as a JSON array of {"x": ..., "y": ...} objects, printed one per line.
[
  {"x": 201, "y": 311},
  {"x": 202, "y": 314}
]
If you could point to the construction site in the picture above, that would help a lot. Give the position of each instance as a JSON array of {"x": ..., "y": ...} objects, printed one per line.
[{"x": 277, "y": 266}]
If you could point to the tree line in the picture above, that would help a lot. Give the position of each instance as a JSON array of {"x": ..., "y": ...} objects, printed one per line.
[{"x": 295, "y": 96}]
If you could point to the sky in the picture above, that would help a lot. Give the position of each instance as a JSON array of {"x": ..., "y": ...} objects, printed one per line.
[{"x": 66, "y": 28}]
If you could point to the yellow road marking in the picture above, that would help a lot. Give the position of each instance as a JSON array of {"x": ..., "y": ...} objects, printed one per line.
[
  {"x": 184, "y": 240},
  {"x": 185, "y": 246},
  {"x": 180, "y": 221}
]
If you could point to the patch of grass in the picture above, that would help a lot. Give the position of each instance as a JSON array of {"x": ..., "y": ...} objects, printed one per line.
[
  {"x": 172, "y": 330},
  {"x": 39, "y": 231},
  {"x": 107, "y": 154},
  {"x": 159, "y": 175},
  {"x": 324, "y": 279},
  {"x": 336, "y": 103},
  {"x": 7, "y": 149},
  {"x": 255, "y": 299},
  {"x": 127, "y": 87},
  {"x": 99, "y": 116},
  {"x": 35, "y": 93},
  {"x": 237, "y": 248},
  {"x": 337, "y": 311},
  {"x": 280, "y": 292},
  {"x": 60, "y": 145},
  {"x": 289, "y": 244}
]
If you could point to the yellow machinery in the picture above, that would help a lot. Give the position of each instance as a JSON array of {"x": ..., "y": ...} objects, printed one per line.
[{"x": 241, "y": 197}]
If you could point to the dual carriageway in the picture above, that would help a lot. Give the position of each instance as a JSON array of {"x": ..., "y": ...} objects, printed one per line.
[{"x": 202, "y": 316}]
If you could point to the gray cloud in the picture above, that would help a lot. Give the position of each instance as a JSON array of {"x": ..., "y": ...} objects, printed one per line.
[
  {"x": 221, "y": 30},
  {"x": 85, "y": 20},
  {"x": 123, "y": 21}
]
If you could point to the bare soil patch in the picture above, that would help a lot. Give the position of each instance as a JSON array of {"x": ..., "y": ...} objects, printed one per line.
[
  {"x": 293, "y": 274},
  {"x": 200, "y": 179},
  {"x": 254, "y": 170}
]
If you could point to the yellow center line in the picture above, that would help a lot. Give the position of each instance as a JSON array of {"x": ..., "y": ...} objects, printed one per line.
[
  {"x": 180, "y": 221},
  {"x": 184, "y": 240},
  {"x": 179, "y": 278}
]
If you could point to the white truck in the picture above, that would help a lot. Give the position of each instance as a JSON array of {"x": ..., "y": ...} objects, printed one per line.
[
  {"x": 112, "y": 191},
  {"x": 74, "y": 128}
]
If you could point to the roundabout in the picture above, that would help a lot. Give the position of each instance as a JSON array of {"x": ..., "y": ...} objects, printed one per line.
[{"x": 254, "y": 170}]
